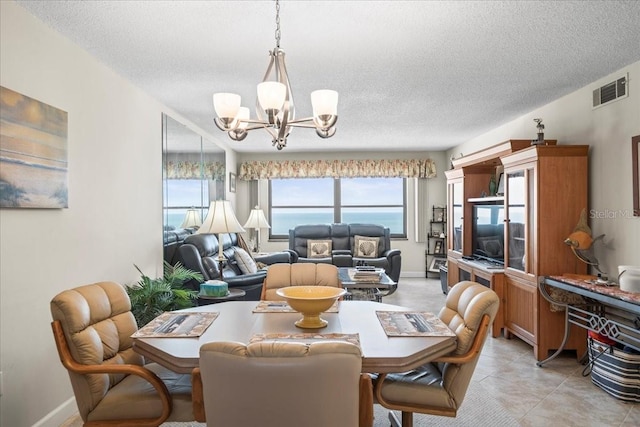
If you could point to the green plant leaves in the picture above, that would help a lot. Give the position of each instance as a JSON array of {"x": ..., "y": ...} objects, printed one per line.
[{"x": 152, "y": 297}]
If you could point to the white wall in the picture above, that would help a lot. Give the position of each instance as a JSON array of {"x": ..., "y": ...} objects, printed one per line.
[
  {"x": 413, "y": 258},
  {"x": 114, "y": 217},
  {"x": 608, "y": 130}
]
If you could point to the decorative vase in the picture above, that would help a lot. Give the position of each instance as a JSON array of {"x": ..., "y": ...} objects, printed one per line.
[{"x": 492, "y": 186}]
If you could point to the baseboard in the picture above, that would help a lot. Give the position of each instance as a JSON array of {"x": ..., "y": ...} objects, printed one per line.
[{"x": 59, "y": 415}]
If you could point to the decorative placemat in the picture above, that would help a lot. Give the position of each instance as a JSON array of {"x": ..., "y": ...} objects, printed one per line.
[
  {"x": 176, "y": 325},
  {"x": 306, "y": 337},
  {"x": 413, "y": 324},
  {"x": 283, "y": 307}
]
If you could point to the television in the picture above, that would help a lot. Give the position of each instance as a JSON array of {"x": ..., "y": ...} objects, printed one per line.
[{"x": 487, "y": 232}]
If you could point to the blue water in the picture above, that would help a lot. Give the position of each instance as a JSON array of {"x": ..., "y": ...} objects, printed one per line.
[{"x": 282, "y": 222}]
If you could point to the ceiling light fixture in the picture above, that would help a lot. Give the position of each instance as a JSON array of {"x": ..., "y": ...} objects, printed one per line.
[{"x": 274, "y": 107}]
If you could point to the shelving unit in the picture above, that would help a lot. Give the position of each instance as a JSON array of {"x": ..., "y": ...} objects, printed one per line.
[
  {"x": 436, "y": 252},
  {"x": 539, "y": 214}
]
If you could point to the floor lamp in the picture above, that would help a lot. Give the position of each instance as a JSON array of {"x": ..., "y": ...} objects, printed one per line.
[
  {"x": 220, "y": 220},
  {"x": 257, "y": 221}
]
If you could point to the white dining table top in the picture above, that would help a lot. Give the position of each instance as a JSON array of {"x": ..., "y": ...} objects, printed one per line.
[{"x": 236, "y": 321}]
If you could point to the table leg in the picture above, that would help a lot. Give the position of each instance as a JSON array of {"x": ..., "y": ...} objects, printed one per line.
[{"x": 567, "y": 327}]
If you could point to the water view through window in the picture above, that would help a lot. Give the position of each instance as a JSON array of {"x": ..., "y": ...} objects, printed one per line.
[{"x": 327, "y": 200}]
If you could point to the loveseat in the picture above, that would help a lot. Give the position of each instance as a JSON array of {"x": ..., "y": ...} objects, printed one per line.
[
  {"x": 345, "y": 245},
  {"x": 199, "y": 252}
]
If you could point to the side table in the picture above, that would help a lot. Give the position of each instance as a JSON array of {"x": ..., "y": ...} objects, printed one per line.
[{"x": 234, "y": 294}]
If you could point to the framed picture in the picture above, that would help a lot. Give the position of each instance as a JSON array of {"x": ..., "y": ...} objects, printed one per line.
[
  {"x": 635, "y": 163},
  {"x": 434, "y": 267},
  {"x": 440, "y": 216},
  {"x": 232, "y": 182},
  {"x": 34, "y": 161},
  {"x": 435, "y": 234},
  {"x": 438, "y": 248}
]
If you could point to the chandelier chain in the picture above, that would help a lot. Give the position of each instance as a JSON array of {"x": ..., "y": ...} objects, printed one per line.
[{"x": 278, "y": 24}]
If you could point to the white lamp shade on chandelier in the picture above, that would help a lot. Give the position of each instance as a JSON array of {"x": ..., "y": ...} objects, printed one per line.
[
  {"x": 271, "y": 95},
  {"x": 275, "y": 109},
  {"x": 226, "y": 105},
  {"x": 191, "y": 219}
]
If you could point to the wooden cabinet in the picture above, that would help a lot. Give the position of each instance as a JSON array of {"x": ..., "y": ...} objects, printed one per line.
[
  {"x": 489, "y": 277},
  {"x": 520, "y": 309},
  {"x": 545, "y": 190}
]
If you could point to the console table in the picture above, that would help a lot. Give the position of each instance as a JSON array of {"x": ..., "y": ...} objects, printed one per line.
[{"x": 599, "y": 307}]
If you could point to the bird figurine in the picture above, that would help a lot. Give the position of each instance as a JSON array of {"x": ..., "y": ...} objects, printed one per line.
[{"x": 581, "y": 242}]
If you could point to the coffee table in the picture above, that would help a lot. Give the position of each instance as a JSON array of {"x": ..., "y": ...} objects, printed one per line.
[{"x": 366, "y": 291}]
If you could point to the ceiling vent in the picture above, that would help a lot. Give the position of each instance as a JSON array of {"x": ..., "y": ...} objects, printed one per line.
[{"x": 611, "y": 92}]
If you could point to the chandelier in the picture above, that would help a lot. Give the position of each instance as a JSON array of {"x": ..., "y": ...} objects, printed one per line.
[{"x": 274, "y": 105}]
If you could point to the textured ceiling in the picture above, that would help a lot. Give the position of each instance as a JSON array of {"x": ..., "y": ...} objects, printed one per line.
[{"x": 412, "y": 75}]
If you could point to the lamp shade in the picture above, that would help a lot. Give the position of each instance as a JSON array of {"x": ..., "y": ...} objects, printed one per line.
[
  {"x": 220, "y": 219},
  {"x": 226, "y": 104},
  {"x": 324, "y": 102},
  {"x": 243, "y": 114},
  {"x": 271, "y": 95},
  {"x": 257, "y": 219},
  {"x": 191, "y": 219}
]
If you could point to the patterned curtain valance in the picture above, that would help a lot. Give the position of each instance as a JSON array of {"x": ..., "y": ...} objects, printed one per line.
[
  {"x": 186, "y": 169},
  {"x": 411, "y": 168}
]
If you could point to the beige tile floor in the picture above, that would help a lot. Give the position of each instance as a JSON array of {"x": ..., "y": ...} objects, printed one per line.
[{"x": 555, "y": 395}]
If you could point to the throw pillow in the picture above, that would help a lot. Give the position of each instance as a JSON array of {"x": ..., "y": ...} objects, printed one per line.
[
  {"x": 366, "y": 247},
  {"x": 245, "y": 262},
  {"x": 318, "y": 248},
  {"x": 491, "y": 246}
]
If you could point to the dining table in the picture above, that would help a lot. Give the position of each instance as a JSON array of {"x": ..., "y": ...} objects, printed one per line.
[{"x": 240, "y": 321}]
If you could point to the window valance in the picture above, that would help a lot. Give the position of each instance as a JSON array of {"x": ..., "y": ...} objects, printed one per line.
[
  {"x": 185, "y": 169},
  {"x": 410, "y": 168}
]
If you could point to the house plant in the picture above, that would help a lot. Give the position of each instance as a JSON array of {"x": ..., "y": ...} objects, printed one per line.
[{"x": 152, "y": 297}]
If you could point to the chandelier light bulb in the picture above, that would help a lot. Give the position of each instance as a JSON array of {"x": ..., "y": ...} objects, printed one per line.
[
  {"x": 244, "y": 114},
  {"x": 226, "y": 105},
  {"x": 271, "y": 95},
  {"x": 324, "y": 102}
]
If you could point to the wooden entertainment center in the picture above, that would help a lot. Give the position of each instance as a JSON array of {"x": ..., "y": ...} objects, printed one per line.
[{"x": 545, "y": 190}]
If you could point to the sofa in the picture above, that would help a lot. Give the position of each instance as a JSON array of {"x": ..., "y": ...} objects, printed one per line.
[
  {"x": 199, "y": 252},
  {"x": 345, "y": 245},
  {"x": 173, "y": 238}
]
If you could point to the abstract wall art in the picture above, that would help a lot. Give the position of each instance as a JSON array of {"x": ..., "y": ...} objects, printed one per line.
[{"x": 33, "y": 153}]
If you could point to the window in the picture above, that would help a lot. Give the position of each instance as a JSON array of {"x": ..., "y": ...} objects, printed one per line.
[
  {"x": 183, "y": 194},
  {"x": 327, "y": 200}
]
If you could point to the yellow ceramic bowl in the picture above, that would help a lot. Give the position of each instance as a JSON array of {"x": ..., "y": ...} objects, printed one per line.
[{"x": 311, "y": 301}]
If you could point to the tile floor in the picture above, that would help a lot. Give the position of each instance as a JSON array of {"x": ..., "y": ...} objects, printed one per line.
[{"x": 555, "y": 395}]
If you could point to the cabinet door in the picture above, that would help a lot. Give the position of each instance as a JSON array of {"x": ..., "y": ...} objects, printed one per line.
[
  {"x": 521, "y": 308},
  {"x": 456, "y": 212},
  {"x": 519, "y": 212}
]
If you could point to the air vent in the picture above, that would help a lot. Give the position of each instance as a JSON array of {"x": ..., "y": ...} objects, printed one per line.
[{"x": 610, "y": 92}]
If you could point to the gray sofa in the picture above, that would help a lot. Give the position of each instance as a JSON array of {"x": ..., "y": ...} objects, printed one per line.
[{"x": 349, "y": 246}]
